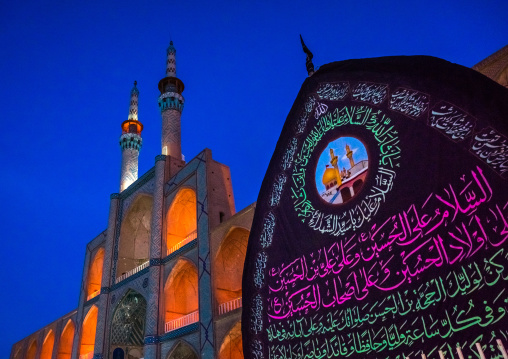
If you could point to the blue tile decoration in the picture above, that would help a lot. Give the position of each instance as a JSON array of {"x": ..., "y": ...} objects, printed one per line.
[
  {"x": 181, "y": 250},
  {"x": 179, "y": 332}
]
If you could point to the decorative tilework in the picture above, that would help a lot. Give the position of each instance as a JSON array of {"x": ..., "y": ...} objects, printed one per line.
[
  {"x": 92, "y": 301},
  {"x": 179, "y": 332},
  {"x": 152, "y": 339},
  {"x": 140, "y": 182},
  {"x": 130, "y": 279},
  {"x": 160, "y": 158},
  {"x": 181, "y": 250},
  {"x": 155, "y": 262}
]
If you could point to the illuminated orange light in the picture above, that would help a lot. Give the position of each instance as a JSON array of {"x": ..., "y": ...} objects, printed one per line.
[
  {"x": 227, "y": 272},
  {"x": 47, "y": 346},
  {"x": 66, "y": 340},
  {"x": 88, "y": 332},
  {"x": 181, "y": 292},
  {"x": 181, "y": 219},
  {"x": 232, "y": 345},
  {"x": 95, "y": 275},
  {"x": 32, "y": 350}
]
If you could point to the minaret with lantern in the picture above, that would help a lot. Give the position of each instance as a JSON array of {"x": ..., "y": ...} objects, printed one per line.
[{"x": 130, "y": 142}]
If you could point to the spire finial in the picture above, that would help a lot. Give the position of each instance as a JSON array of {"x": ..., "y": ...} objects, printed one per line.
[
  {"x": 308, "y": 61},
  {"x": 135, "y": 89}
]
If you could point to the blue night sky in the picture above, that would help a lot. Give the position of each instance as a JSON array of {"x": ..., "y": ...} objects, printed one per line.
[{"x": 66, "y": 71}]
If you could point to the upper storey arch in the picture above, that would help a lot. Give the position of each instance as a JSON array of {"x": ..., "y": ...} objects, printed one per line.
[
  {"x": 228, "y": 269},
  {"x": 135, "y": 231},
  {"x": 181, "y": 220},
  {"x": 94, "y": 277},
  {"x": 47, "y": 345}
]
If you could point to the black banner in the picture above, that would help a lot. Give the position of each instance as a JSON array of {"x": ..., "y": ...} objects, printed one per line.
[{"x": 381, "y": 226}]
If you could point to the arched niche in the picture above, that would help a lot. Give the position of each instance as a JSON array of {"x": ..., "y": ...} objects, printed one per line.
[
  {"x": 128, "y": 326},
  {"x": 182, "y": 350},
  {"x": 228, "y": 267},
  {"x": 66, "y": 340},
  {"x": 232, "y": 347},
  {"x": 181, "y": 297},
  {"x": 32, "y": 350},
  {"x": 89, "y": 327},
  {"x": 47, "y": 345},
  {"x": 134, "y": 245},
  {"x": 181, "y": 220},
  {"x": 95, "y": 274}
]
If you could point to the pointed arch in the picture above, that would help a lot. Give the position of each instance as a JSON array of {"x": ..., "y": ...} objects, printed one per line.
[
  {"x": 228, "y": 269},
  {"x": 66, "y": 340},
  {"x": 94, "y": 278},
  {"x": 182, "y": 350},
  {"x": 32, "y": 350},
  {"x": 181, "y": 220},
  {"x": 47, "y": 345},
  {"x": 128, "y": 324},
  {"x": 87, "y": 342},
  {"x": 134, "y": 244},
  {"x": 181, "y": 297},
  {"x": 232, "y": 346}
]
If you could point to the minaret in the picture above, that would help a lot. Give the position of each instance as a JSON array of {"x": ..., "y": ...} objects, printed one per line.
[
  {"x": 349, "y": 154},
  {"x": 334, "y": 162},
  {"x": 130, "y": 142},
  {"x": 171, "y": 105}
]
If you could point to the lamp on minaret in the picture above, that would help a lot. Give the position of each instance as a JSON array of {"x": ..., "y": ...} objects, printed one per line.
[
  {"x": 171, "y": 105},
  {"x": 130, "y": 142}
]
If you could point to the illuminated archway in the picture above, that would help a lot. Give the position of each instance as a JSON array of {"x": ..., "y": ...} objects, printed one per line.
[
  {"x": 87, "y": 342},
  {"x": 32, "y": 350},
  {"x": 182, "y": 350},
  {"x": 134, "y": 236},
  {"x": 66, "y": 340},
  {"x": 232, "y": 347},
  {"x": 181, "y": 296},
  {"x": 228, "y": 269},
  {"x": 181, "y": 220},
  {"x": 95, "y": 274},
  {"x": 128, "y": 326},
  {"x": 47, "y": 346}
]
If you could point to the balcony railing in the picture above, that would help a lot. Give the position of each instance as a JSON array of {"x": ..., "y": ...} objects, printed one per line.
[
  {"x": 231, "y": 305},
  {"x": 191, "y": 236},
  {"x": 182, "y": 321},
  {"x": 94, "y": 294},
  {"x": 132, "y": 271},
  {"x": 86, "y": 356}
]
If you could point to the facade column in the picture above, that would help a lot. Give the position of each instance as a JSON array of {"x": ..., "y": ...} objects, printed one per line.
[
  {"x": 102, "y": 303},
  {"x": 152, "y": 348}
]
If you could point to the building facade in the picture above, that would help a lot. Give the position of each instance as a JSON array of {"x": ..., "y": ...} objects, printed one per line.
[{"x": 164, "y": 279}]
